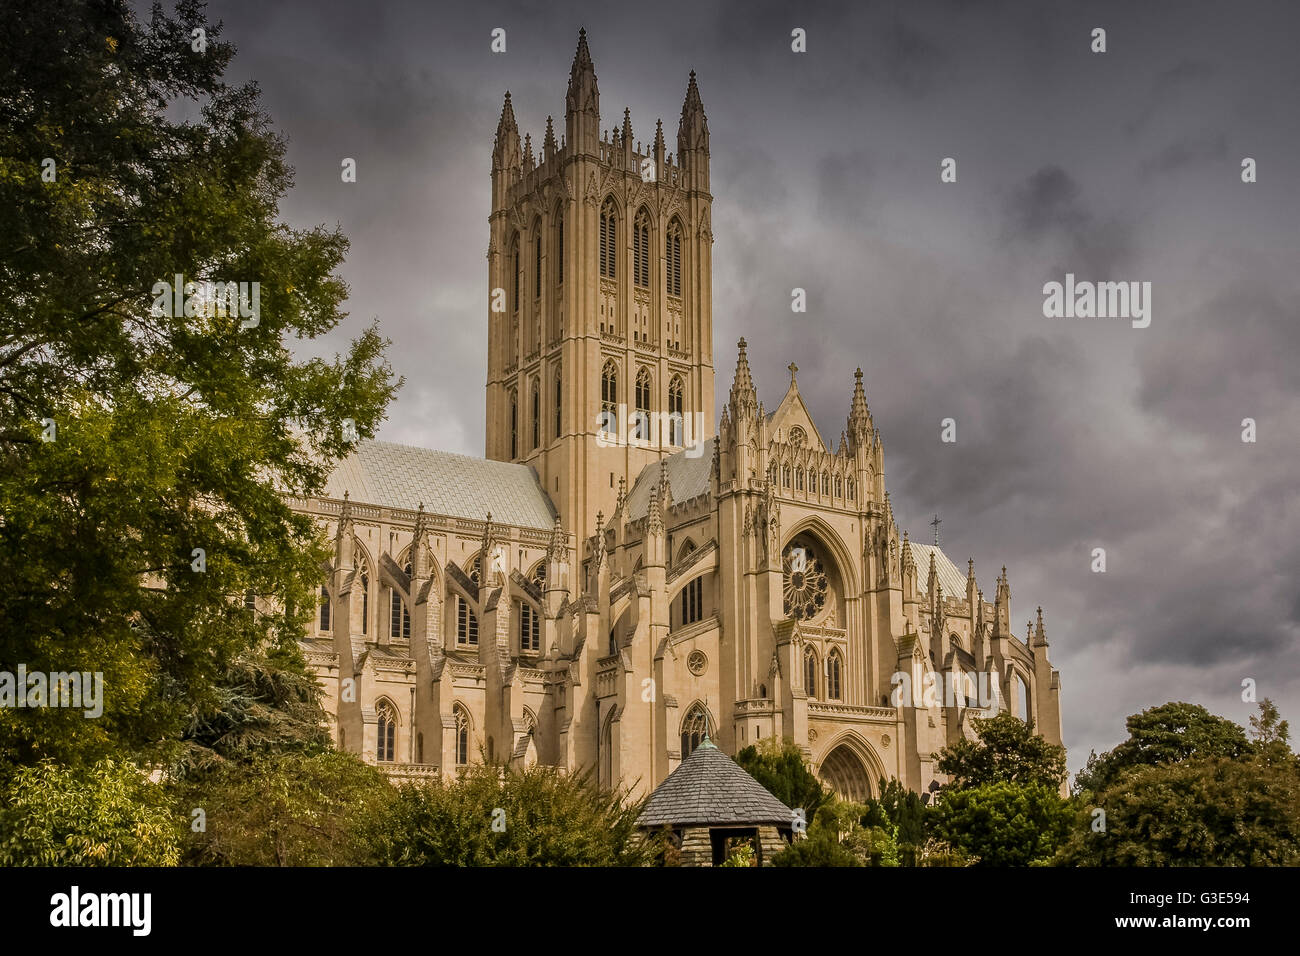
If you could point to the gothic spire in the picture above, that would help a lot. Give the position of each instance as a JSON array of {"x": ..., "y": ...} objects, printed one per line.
[
  {"x": 626, "y": 137},
  {"x": 558, "y": 545},
  {"x": 1040, "y": 634},
  {"x": 548, "y": 141},
  {"x": 859, "y": 416},
  {"x": 583, "y": 96},
  {"x": 528, "y": 151},
  {"x": 693, "y": 131},
  {"x": 743, "y": 395},
  {"x": 505, "y": 148}
]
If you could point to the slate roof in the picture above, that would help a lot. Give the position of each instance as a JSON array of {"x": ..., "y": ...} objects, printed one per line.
[
  {"x": 687, "y": 477},
  {"x": 458, "y": 486},
  {"x": 952, "y": 580},
  {"x": 711, "y": 789}
]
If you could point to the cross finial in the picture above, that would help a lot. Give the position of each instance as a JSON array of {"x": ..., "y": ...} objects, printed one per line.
[
  {"x": 793, "y": 368},
  {"x": 935, "y": 524}
]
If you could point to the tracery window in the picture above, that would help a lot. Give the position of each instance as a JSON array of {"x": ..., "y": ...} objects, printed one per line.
[
  {"x": 806, "y": 584},
  {"x": 676, "y": 411},
  {"x": 695, "y": 727},
  {"x": 529, "y": 628},
  {"x": 641, "y": 249},
  {"x": 833, "y": 673},
  {"x": 324, "y": 608},
  {"x": 608, "y": 240},
  {"x": 642, "y": 405},
  {"x": 466, "y": 623},
  {"x": 462, "y": 736},
  {"x": 673, "y": 257},
  {"x": 810, "y": 671},
  {"x": 609, "y": 398},
  {"x": 386, "y": 751}
]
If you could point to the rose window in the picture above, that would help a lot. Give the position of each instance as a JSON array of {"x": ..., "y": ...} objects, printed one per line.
[{"x": 806, "y": 587}]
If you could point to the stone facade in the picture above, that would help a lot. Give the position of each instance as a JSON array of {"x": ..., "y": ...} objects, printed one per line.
[{"x": 645, "y": 580}]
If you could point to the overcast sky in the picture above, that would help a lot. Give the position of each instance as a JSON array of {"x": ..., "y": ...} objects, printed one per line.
[{"x": 1072, "y": 434}]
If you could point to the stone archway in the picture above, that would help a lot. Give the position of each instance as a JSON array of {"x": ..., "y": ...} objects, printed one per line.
[{"x": 843, "y": 771}]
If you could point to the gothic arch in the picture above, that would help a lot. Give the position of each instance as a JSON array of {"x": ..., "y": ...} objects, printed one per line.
[
  {"x": 697, "y": 722},
  {"x": 849, "y": 766},
  {"x": 815, "y": 526}
]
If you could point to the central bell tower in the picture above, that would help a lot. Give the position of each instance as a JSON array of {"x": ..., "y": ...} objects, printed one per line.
[{"x": 600, "y": 325}]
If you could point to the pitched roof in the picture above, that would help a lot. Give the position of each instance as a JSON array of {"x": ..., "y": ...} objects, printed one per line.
[
  {"x": 687, "y": 476},
  {"x": 952, "y": 580},
  {"x": 709, "y": 788},
  {"x": 403, "y": 476}
]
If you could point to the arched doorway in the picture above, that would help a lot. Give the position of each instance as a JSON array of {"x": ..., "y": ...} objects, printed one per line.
[{"x": 843, "y": 771}]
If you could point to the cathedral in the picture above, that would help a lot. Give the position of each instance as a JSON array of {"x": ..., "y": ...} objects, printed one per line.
[{"x": 624, "y": 575}]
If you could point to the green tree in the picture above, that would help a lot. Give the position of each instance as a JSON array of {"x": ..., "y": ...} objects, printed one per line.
[
  {"x": 817, "y": 849},
  {"x": 779, "y": 766},
  {"x": 1007, "y": 751},
  {"x": 900, "y": 811},
  {"x": 497, "y": 816},
  {"x": 1005, "y": 823},
  {"x": 1166, "y": 734},
  {"x": 290, "y": 808},
  {"x": 170, "y": 433},
  {"x": 1211, "y": 811},
  {"x": 106, "y": 814}
]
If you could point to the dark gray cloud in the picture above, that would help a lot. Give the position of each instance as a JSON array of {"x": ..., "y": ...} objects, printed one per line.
[{"x": 1072, "y": 434}]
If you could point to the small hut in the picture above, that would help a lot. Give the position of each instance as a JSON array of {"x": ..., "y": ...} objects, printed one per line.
[{"x": 709, "y": 800}]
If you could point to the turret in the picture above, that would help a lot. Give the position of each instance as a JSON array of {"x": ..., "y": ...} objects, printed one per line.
[{"x": 693, "y": 138}]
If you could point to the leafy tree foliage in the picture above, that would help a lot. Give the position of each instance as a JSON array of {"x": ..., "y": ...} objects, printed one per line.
[
  {"x": 1166, "y": 734},
  {"x": 1004, "y": 823},
  {"x": 290, "y": 808},
  {"x": 1008, "y": 751},
  {"x": 170, "y": 433},
  {"x": 817, "y": 849},
  {"x": 901, "y": 812},
  {"x": 107, "y": 814},
  {"x": 779, "y": 766},
  {"x": 543, "y": 816},
  {"x": 1202, "y": 795}
]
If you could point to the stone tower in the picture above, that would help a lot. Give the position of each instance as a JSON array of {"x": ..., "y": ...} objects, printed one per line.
[{"x": 600, "y": 331}]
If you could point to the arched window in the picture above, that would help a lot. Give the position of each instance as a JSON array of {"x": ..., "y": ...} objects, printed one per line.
[
  {"x": 642, "y": 405},
  {"x": 559, "y": 249},
  {"x": 387, "y": 742},
  {"x": 676, "y": 411},
  {"x": 324, "y": 608},
  {"x": 474, "y": 568},
  {"x": 514, "y": 423},
  {"x": 673, "y": 257},
  {"x": 834, "y": 673},
  {"x": 466, "y": 623},
  {"x": 826, "y": 483},
  {"x": 609, "y": 398},
  {"x": 851, "y": 489},
  {"x": 798, "y": 479},
  {"x": 537, "y": 415},
  {"x": 641, "y": 249},
  {"x": 613, "y": 642},
  {"x": 462, "y": 735},
  {"x": 537, "y": 257},
  {"x": 1022, "y": 699},
  {"x": 810, "y": 671},
  {"x": 365, "y": 604},
  {"x": 538, "y": 576},
  {"x": 785, "y": 476},
  {"x": 695, "y": 727},
  {"x": 559, "y": 403},
  {"x": 839, "y": 486},
  {"x": 608, "y": 240},
  {"x": 797, "y": 436},
  {"x": 419, "y": 748},
  {"x": 514, "y": 259}
]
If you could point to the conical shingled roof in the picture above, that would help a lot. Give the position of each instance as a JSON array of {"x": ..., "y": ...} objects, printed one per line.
[{"x": 711, "y": 789}]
